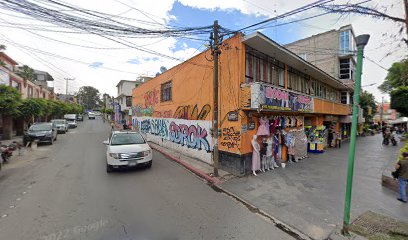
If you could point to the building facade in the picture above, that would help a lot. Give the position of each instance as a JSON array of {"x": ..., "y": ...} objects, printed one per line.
[
  {"x": 262, "y": 85},
  {"x": 37, "y": 88}
]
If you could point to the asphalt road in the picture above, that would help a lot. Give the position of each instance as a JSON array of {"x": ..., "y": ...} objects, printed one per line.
[{"x": 63, "y": 192}]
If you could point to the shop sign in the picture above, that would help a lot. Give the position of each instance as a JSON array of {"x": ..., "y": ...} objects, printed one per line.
[
  {"x": 244, "y": 128},
  {"x": 233, "y": 116},
  {"x": 271, "y": 98}
]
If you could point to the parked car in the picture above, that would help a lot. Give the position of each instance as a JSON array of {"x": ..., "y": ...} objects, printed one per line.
[
  {"x": 91, "y": 115},
  {"x": 127, "y": 149},
  {"x": 80, "y": 117},
  {"x": 61, "y": 124},
  {"x": 43, "y": 132},
  {"x": 72, "y": 123}
]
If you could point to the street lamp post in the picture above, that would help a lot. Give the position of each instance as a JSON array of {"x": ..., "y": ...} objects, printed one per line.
[{"x": 361, "y": 41}]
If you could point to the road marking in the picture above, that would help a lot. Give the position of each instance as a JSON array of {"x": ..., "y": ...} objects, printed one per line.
[
  {"x": 18, "y": 199},
  {"x": 12, "y": 206},
  {"x": 4, "y": 215},
  {"x": 24, "y": 192}
]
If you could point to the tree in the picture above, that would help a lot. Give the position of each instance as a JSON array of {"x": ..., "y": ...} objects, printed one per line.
[
  {"x": 89, "y": 97},
  {"x": 399, "y": 100},
  {"x": 397, "y": 77},
  {"x": 374, "y": 12},
  {"x": 31, "y": 108},
  {"x": 367, "y": 103},
  {"x": 10, "y": 99},
  {"x": 26, "y": 73}
]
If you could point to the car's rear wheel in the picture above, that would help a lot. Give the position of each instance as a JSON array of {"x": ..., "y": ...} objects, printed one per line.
[
  {"x": 109, "y": 168},
  {"x": 149, "y": 165}
]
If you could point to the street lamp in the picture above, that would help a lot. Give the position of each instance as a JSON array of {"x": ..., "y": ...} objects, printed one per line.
[{"x": 361, "y": 42}]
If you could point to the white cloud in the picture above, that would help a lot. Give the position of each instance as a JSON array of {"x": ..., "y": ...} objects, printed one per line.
[{"x": 133, "y": 62}]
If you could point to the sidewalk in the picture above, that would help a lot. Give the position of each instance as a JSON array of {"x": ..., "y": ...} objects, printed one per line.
[
  {"x": 196, "y": 166},
  {"x": 309, "y": 195}
]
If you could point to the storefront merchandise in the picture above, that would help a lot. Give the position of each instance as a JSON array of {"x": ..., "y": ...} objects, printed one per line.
[{"x": 317, "y": 138}]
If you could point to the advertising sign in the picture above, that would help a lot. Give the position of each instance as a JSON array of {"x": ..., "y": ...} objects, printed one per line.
[{"x": 271, "y": 98}]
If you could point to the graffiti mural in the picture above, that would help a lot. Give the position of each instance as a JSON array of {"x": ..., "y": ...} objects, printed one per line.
[
  {"x": 190, "y": 112},
  {"x": 192, "y": 136},
  {"x": 230, "y": 138},
  {"x": 151, "y": 98},
  {"x": 140, "y": 111},
  {"x": 162, "y": 114}
]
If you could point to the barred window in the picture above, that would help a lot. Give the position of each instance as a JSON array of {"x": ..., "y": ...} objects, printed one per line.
[{"x": 166, "y": 92}]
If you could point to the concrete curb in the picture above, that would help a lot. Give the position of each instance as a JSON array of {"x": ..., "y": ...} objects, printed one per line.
[
  {"x": 189, "y": 167},
  {"x": 215, "y": 184}
]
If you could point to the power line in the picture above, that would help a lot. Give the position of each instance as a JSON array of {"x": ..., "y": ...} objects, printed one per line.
[{"x": 378, "y": 65}]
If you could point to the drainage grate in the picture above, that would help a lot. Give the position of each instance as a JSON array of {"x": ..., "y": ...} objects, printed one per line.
[{"x": 371, "y": 223}]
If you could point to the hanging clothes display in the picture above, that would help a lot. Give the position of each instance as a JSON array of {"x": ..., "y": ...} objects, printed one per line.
[{"x": 263, "y": 129}]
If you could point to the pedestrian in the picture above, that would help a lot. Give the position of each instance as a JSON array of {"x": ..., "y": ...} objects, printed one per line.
[
  {"x": 402, "y": 170},
  {"x": 112, "y": 125}
]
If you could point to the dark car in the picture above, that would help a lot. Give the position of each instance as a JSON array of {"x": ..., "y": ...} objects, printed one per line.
[
  {"x": 80, "y": 117},
  {"x": 43, "y": 132}
]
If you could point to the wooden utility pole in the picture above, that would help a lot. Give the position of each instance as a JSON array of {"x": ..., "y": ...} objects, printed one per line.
[{"x": 215, "y": 108}]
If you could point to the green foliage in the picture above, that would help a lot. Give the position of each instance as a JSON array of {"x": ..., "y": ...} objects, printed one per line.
[
  {"x": 32, "y": 108},
  {"x": 367, "y": 102},
  {"x": 399, "y": 100},
  {"x": 26, "y": 73},
  {"x": 10, "y": 99},
  {"x": 397, "y": 77},
  {"x": 109, "y": 111},
  {"x": 89, "y": 97}
]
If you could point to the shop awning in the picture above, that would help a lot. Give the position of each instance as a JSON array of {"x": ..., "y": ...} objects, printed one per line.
[{"x": 266, "y": 45}]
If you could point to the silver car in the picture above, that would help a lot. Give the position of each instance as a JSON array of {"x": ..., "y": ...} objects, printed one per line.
[
  {"x": 61, "y": 124},
  {"x": 127, "y": 149}
]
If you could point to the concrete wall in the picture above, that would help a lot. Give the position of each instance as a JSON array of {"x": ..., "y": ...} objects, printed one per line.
[
  {"x": 321, "y": 50},
  {"x": 189, "y": 137}
]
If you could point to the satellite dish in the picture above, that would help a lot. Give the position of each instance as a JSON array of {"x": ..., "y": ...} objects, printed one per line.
[
  {"x": 163, "y": 69},
  {"x": 157, "y": 74}
]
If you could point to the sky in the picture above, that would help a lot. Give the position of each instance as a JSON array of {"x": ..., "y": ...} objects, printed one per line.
[{"x": 96, "y": 61}]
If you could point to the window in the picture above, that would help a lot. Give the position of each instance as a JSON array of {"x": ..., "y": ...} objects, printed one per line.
[
  {"x": 41, "y": 77},
  {"x": 166, "y": 92},
  {"x": 43, "y": 95},
  {"x": 343, "y": 98},
  {"x": 128, "y": 101},
  {"x": 281, "y": 77},
  {"x": 345, "y": 68},
  {"x": 30, "y": 92},
  {"x": 345, "y": 42}
]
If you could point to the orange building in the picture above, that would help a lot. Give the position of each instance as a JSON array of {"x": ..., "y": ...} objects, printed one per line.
[{"x": 259, "y": 81}]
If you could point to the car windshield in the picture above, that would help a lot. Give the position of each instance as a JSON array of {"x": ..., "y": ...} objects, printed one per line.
[
  {"x": 58, "y": 121},
  {"x": 127, "y": 138},
  {"x": 40, "y": 127},
  {"x": 70, "y": 120}
]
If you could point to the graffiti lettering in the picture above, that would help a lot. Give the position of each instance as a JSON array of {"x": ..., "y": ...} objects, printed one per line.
[
  {"x": 151, "y": 98},
  {"x": 145, "y": 126},
  {"x": 159, "y": 127},
  {"x": 230, "y": 138},
  {"x": 162, "y": 114},
  {"x": 192, "y": 136},
  {"x": 191, "y": 112}
]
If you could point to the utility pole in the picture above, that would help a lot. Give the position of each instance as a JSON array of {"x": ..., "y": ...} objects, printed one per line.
[
  {"x": 361, "y": 41},
  {"x": 66, "y": 87},
  {"x": 215, "y": 38}
]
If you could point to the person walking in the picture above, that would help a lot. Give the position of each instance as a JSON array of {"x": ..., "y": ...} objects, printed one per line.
[{"x": 402, "y": 168}]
